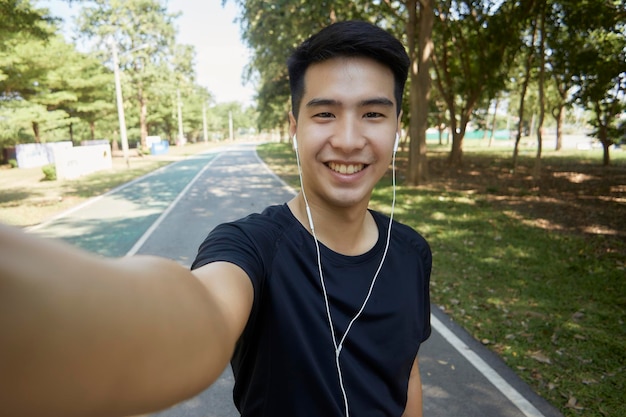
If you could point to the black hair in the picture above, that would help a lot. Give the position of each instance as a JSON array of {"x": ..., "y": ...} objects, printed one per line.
[{"x": 348, "y": 39}]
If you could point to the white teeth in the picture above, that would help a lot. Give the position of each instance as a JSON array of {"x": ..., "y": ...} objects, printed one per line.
[{"x": 345, "y": 169}]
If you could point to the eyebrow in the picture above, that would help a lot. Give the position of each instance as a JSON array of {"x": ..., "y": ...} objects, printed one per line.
[{"x": 380, "y": 101}]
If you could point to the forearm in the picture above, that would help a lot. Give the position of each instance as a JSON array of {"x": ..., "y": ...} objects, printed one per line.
[{"x": 79, "y": 332}]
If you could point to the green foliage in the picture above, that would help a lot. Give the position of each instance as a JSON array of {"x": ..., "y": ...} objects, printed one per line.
[
  {"x": 49, "y": 172},
  {"x": 49, "y": 91},
  {"x": 599, "y": 63},
  {"x": 244, "y": 119},
  {"x": 143, "y": 33},
  {"x": 475, "y": 44},
  {"x": 273, "y": 29},
  {"x": 13, "y": 163},
  {"x": 48, "y": 86},
  {"x": 20, "y": 16}
]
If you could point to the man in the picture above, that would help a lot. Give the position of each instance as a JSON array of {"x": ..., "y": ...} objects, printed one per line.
[{"x": 320, "y": 303}]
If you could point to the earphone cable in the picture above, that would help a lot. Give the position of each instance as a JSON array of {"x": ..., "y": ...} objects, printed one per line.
[{"x": 338, "y": 346}]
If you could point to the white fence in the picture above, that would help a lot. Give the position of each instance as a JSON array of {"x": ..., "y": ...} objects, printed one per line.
[
  {"x": 32, "y": 155},
  {"x": 71, "y": 162},
  {"x": 82, "y": 160}
]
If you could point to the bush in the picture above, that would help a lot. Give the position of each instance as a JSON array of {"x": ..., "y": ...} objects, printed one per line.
[
  {"x": 13, "y": 163},
  {"x": 49, "y": 172}
]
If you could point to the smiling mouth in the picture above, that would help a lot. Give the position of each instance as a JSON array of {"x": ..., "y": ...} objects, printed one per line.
[{"x": 345, "y": 168}]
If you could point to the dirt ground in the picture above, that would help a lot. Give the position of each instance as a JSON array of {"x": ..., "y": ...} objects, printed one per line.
[{"x": 581, "y": 198}]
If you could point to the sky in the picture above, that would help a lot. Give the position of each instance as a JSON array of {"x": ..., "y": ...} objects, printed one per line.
[{"x": 211, "y": 29}]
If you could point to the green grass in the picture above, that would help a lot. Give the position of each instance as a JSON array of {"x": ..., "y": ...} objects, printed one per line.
[{"x": 552, "y": 305}]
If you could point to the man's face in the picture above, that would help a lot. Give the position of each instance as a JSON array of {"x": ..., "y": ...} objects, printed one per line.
[{"x": 346, "y": 130}]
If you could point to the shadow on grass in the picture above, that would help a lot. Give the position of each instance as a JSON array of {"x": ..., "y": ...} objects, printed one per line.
[{"x": 12, "y": 197}]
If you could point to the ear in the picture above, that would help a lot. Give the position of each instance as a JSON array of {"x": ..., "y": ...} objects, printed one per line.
[
  {"x": 398, "y": 130},
  {"x": 293, "y": 125}
]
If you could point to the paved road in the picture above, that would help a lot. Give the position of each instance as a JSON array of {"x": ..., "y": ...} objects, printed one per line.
[{"x": 170, "y": 212}]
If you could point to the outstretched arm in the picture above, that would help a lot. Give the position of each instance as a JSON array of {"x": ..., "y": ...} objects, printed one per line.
[{"x": 82, "y": 335}]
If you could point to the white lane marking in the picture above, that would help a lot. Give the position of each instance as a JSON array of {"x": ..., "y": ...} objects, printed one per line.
[
  {"x": 273, "y": 174},
  {"x": 492, "y": 376},
  {"x": 168, "y": 210}
]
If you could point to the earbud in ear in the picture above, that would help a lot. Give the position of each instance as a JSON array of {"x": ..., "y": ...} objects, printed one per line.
[
  {"x": 295, "y": 143},
  {"x": 395, "y": 145}
]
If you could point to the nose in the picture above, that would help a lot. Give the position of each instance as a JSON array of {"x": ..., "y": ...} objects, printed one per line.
[{"x": 348, "y": 137}]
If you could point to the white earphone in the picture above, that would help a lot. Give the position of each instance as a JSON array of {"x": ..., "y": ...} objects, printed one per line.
[{"x": 339, "y": 345}]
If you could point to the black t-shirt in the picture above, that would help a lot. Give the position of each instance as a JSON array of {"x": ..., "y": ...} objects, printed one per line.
[{"x": 284, "y": 362}]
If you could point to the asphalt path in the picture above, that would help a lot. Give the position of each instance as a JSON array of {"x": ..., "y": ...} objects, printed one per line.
[{"x": 169, "y": 213}]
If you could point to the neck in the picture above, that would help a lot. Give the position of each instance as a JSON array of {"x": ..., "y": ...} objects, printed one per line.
[{"x": 349, "y": 231}]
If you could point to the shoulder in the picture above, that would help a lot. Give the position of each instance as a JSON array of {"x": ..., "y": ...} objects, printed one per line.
[
  {"x": 254, "y": 236},
  {"x": 405, "y": 235},
  {"x": 400, "y": 230},
  {"x": 269, "y": 224}
]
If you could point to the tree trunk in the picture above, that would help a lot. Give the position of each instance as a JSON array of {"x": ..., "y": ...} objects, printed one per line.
[
  {"x": 604, "y": 139},
  {"x": 143, "y": 122},
  {"x": 559, "y": 128},
  {"x": 606, "y": 156},
  {"x": 494, "y": 121},
  {"x": 419, "y": 53},
  {"x": 143, "y": 118},
  {"x": 542, "y": 99},
  {"x": 36, "y": 132},
  {"x": 420, "y": 86},
  {"x": 411, "y": 29},
  {"x": 529, "y": 58},
  {"x": 455, "y": 158},
  {"x": 92, "y": 130},
  {"x": 440, "y": 130},
  {"x": 456, "y": 153}
]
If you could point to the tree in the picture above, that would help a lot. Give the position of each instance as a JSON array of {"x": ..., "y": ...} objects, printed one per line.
[
  {"x": 143, "y": 31},
  {"x": 542, "y": 101},
  {"x": 420, "y": 47},
  {"x": 175, "y": 79},
  {"x": 195, "y": 103},
  {"x": 38, "y": 79},
  {"x": 273, "y": 30},
  {"x": 475, "y": 43},
  {"x": 222, "y": 113},
  {"x": 601, "y": 64},
  {"x": 19, "y": 16},
  {"x": 92, "y": 84},
  {"x": 562, "y": 49}
]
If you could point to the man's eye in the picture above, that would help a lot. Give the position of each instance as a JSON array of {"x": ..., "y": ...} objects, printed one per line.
[
  {"x": 325, "y": 115},
  {"x": 372, "y": 115}
]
